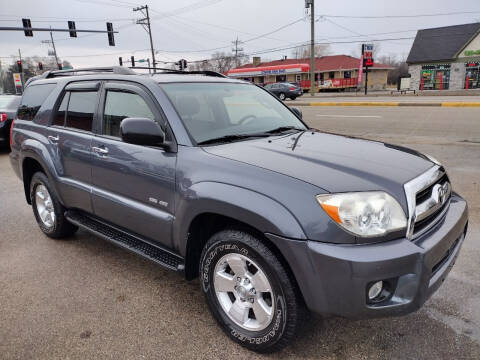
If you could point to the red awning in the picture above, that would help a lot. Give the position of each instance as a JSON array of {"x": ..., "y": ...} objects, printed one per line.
[{"x": 300, "y": 67}]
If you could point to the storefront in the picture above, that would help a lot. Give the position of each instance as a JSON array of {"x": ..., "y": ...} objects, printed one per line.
[
  {"x": 435, "y": 77},
  {"x": 446, "y": 58},
  {"x": 336, "y": 72},
  {"x": 472, "y": 75}
]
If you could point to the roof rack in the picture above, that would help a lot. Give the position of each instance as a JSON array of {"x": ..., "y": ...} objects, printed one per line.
[
  {"x": 182, "y": 72},
  {"x": 107, "y": 69}
]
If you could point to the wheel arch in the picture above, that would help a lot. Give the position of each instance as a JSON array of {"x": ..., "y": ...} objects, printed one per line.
[
  {"x": 206, "y": 225},
  {"x": 33, "y": 160}
]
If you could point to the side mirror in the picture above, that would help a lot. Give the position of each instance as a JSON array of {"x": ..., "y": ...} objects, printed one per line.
[
  {"x": 297, "y": 112},
  {"x": 141, "y": 131}
]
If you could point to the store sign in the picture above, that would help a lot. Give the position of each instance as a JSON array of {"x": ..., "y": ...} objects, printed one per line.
[
  {"x": 472, "y": 52},
  {"x": 367, "y": 51},
  {"x": 274, "y": 72},
  {"x": 17, "y": 79}
]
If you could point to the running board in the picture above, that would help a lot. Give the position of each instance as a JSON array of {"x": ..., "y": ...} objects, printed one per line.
[{"x": 126, "y": 241}]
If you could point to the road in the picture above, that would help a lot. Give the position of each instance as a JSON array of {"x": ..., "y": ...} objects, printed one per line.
[{"x": 84, "y": 298}]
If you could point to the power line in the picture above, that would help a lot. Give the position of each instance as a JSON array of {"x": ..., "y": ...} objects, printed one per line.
[
  {"x": 398, "y": 16},
  {"x": 248, "y": 40}
]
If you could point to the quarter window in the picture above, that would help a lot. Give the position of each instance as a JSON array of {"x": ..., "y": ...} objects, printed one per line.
[
  {"x": 120, "y": 105},
  {"x": 81, "y": 108},
  {"x": 32, "y": 100},
  {"x": 59, "y": 119}
]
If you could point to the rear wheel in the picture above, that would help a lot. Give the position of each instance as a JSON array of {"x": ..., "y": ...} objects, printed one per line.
[
  {"x": 282, "y": 96},
  {"x": 48, "y": 211},
  {"x": 249, "y": 292},
  {"x": 293, "y": 98}
]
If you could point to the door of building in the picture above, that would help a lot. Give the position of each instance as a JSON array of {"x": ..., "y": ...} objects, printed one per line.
[{"x": 472, "y": 76}]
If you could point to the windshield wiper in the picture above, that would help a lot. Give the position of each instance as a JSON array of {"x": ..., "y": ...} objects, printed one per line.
[
  {"x": 230, "y": 138},
  {"x": 283, "y": 129}
]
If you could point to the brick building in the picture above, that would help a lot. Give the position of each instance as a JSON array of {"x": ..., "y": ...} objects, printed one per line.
[
  {"x": 446, "y": 58},
  {"x": 331, "y": 72}
]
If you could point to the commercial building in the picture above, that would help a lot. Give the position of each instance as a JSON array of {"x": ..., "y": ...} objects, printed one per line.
[
  {"x": 446, "y": 58},
  {"x": 331, "y": 72}
]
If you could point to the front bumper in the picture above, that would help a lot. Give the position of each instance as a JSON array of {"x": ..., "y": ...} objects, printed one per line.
[{"x": 334, "y": 278}]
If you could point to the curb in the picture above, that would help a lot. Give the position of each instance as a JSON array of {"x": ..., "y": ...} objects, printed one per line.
[{"x": 387, "y": 103}]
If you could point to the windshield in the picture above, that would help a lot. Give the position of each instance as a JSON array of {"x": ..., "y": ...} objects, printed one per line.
[{"x": 218, "y": 110}]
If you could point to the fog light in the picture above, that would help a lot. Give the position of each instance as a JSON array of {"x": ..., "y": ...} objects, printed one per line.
[{"x": 375, "y": 290}]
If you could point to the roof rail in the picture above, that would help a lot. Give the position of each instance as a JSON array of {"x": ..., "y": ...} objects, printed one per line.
[
  {"x": 107, "y": 69},
  {"x": 182, "y": 72}
]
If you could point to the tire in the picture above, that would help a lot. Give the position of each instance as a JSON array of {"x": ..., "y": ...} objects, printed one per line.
[
  {"x": 293, "y": 98},
  {"x": 259, "y": 332},
  {"x": 282, "y": 96},
  {"x": 54, "y": 225}
]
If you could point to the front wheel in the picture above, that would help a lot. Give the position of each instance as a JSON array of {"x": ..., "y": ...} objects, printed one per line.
[
  {"x": 282, "y": 96},
  {"x": 249, "y": 292}
]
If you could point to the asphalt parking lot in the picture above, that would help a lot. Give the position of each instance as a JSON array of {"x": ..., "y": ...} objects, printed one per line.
[{"x": 84, "y": 298}]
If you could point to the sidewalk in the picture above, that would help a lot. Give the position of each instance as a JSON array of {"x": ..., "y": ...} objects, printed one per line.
[{"x": 437, "y": 101}]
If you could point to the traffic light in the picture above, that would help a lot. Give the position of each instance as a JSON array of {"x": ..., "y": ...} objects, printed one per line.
[
  {"x": 40, "y": 66},
  {"x": 27, "y": 24},
  {"x": 60, "y": 66},
  {"x": 19, "y": 66},
  {"x": 111, "y": 40},
  {"x": 72, "y": 28},
  {"x": 132, "y": 60},
  {"x": 182, "y": 64},
  {"x": 120, "y": 61}
]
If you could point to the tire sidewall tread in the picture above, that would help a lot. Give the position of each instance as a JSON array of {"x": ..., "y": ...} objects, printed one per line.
[{"x": 287, "y": 305}]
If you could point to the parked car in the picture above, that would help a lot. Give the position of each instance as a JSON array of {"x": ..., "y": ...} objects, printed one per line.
[
  {"x": 285, "y": 90},
  {"x": 8, "y": 109},
  {"x": 216, "y": 178}
]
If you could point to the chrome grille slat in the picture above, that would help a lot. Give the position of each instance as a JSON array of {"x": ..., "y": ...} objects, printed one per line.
[{"x": 433, "y": 195}]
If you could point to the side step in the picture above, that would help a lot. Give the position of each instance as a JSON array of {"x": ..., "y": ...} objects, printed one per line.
[{"x": 130, "y": 242}]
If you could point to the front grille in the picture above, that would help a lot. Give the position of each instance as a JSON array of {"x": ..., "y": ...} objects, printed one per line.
[
  {"x": 424, "y": 223},
  {"x": 425, "y": 195}
]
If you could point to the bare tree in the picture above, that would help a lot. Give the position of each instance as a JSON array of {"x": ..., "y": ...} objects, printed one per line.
[
  {"x": 303, "y": 51},
  {"x": 220, "y": 62}
]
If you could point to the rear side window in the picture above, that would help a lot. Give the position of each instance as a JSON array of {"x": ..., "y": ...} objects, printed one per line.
[
  {"x": 121, "y": 105},
  {"x": 32, "y": 100},
  {"x": 81, "y": 108},
  {"x": 59, "y": 119}
]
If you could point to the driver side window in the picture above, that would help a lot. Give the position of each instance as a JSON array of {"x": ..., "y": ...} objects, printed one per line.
[{"x": 120, "y": 105}]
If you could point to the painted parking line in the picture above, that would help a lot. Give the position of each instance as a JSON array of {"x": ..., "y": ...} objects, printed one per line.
[{"x": 351, "y": 116}]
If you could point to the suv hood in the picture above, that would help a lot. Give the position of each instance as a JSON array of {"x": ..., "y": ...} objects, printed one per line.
[{"x": 334, "y": 163}]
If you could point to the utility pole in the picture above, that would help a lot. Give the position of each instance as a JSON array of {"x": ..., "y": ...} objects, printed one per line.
[
  {"x": 146, "y": 25},
  {"x": 54, "y": 49},
  {"x": 311, "y": 4},
  {"x": 21, "y": 74},
  {"x": 236, "y": 50}
]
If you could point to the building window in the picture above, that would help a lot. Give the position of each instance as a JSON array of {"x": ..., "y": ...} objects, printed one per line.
[
  {"x": 331, "y": 74},
  {"x": 472, "y": 75},
  {"x": 347, "y": 75},
  {"x": 435, "y": 77}
]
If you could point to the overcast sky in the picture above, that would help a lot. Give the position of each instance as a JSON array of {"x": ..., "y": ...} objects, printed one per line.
[{"x": 191, "y": 28}]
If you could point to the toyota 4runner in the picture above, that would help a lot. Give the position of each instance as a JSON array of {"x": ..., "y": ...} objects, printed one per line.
[{"x": 216, "y": 178}]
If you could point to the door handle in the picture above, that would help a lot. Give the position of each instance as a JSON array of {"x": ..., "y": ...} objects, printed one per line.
[
  {"x": 53, "y": 139},
  {"x": 101, "y": 151}
]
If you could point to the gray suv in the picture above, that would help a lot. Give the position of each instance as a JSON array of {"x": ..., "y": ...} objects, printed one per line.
[{"x": 216, "y": 178}]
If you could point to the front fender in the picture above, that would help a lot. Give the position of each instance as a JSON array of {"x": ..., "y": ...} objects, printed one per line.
[
  {"x": 250, "y": 207},
  {"x": 34, "y": 149}
]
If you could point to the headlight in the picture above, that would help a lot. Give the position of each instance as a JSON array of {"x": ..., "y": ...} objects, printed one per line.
[{"x": 366, "y": 214}]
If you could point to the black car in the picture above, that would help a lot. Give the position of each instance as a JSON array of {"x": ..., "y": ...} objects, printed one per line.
[
  {"x": 285, "y": 90},
  {"x": 8, "y": 109}
]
